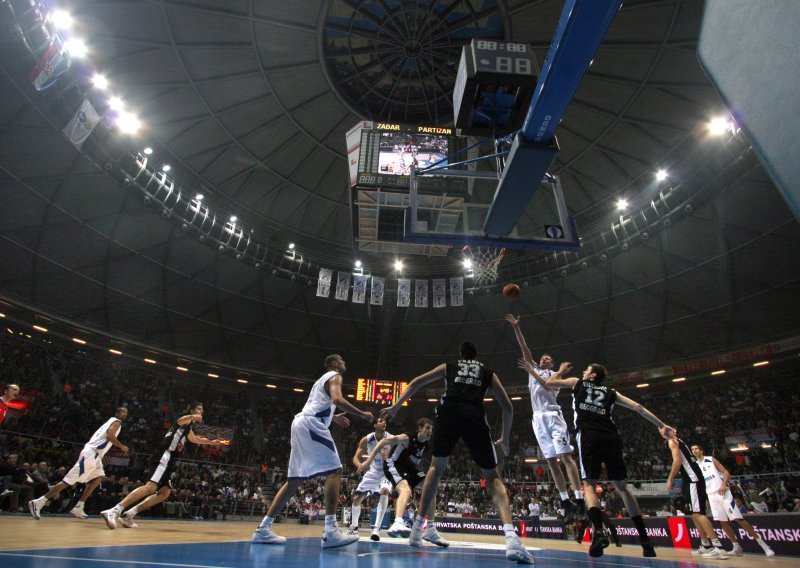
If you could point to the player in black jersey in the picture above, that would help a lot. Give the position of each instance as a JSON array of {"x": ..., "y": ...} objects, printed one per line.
[
  {"x": 158, "y": 488},
  {"x": 599, "y": 443},
  {"x": 694, "y": 494},
  {"x": 401, "y": 468},
  {"x": 461, "y": 415}
]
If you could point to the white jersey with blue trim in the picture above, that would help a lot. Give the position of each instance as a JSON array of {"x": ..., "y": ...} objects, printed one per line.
[
  {"x": 542, "y": 399},
  {"x": 372, "y": 441},
  {"x": 99, "y": 441},
  {"x": 319, "y": 402},
  {"x": 712, "y": 475}
]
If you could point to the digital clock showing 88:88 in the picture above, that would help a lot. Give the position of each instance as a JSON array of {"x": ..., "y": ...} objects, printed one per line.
[{"x": 502, "y": 57}]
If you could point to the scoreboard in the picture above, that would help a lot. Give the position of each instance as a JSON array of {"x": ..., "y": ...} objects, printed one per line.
[{"x": 380, "y": 391}]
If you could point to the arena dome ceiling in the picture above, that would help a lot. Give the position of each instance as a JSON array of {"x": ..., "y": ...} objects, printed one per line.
[{"x": 250, "y": 101}]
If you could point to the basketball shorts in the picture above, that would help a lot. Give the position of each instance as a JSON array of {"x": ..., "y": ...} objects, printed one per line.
[
  {"x": 373, "y": 481},
  {"x": 723, "y": 507},
  {"x": 162, "y": 474},
  {"x": 695, "y": 496},
  {"x": 395, "y": 474},
  {"x": 89, "y": 466},
  {"x": 467, "y": 422},
  {"x": 313, "y": 452},
  {"x": 552, "y": 433},
  {"x": 596, "y": 449}
]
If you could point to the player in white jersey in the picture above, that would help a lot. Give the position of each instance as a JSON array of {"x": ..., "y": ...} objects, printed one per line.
[
  {"x": 374, "y": 481},
  {"x": 549, "y": 425},
  {"x": 313, "y": 454},
  {"x": 723, "y": 506},
  {"x": 89, "y": 467}
]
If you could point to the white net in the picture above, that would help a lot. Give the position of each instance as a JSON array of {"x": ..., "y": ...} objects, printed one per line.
[{"x": 484, "y": 262}]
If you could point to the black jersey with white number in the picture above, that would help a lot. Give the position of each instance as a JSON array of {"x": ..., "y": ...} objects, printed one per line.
[
  {"x": 408, "y": 456},
  {"x": 593, "y": 405},
  {"x": 690, "y": 471},
  {"x": 466, "y": 382},
  {"x": 175, "y": 438}
]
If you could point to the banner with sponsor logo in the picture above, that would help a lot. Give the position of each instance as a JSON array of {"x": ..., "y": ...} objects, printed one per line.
[
  {"x": 421, "y": 295},
  {"x": 343, "y": 286},
  {"x": 457, "y": 291},
  {"x": 376, "y": 293},
  {"x": 403, "y": 292},
  {"x": 439, "y": 293},
  {"x": 324, "y": 282},
  {"x": 359, "y": 288}
]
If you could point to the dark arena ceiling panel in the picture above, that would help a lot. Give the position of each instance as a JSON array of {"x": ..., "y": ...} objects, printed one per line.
[{"x": 249, "y": 103}]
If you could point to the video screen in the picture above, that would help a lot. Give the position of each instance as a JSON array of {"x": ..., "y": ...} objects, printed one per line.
[{"x": 401, "y": 151}]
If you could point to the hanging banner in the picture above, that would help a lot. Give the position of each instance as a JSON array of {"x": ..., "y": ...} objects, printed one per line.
[
  {"x": 324, "y": 282},
  {"x": 359, "y": 288},
  {"x": 439, "y": 293},
  {"x": 403, "y": 292},
  {"x": 457, "y": 291},
  {"x": 343, "y": 286},
  {"x": 376, "y": 295},
  {"x": 82, "y": 124},
  {"x": 421, "y": 296},
  {"x": 53, "y": 63}
]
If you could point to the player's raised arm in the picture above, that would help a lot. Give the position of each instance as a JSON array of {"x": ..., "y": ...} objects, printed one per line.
[
  {"x": 642, "y": 411},
  {"x": 437, "y": 373},
  {"x": 389, "y": 440},
  {"x": 557, "y": 382},
  {"x": 526, "y": 352}
]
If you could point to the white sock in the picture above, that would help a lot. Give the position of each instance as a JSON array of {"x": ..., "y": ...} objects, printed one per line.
[
  {"x": 132, "y": 511},
  {"x": 266, "y": 523},
  {"x": 717, "y": 543},
  {"x": 79, "y": 505},
  {"x": 419, "y": 521},
  {"x": 330, "y": 522},
  {"x": 383, "y": 504},
  {"x": 42, "y": 500},
  {"x": 509, "y": 530},
  {"x": 564, "y": 495},
  {"x": 355, "y": 515},
  {"x": 579, "y": 495},
  {"x": 118, "y": 508}
]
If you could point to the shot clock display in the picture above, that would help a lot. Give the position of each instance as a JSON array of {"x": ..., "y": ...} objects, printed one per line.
[{"x": 380, "y": 391}]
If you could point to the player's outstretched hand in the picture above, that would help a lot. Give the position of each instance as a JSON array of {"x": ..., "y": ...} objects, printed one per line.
[
  {"x": 363, "y": 468},
  {"x": 668, "y": 432},
  {"x": 342, "y": 420},
  {"x": 388, "y": 414},
  {"x": 503, "y": 446},
  {"x": 216, "y": 442},
  {"x": 513, "y": 320},
  {"x": 197, "y": 417},
  {"x": 565, "y": 367},
  {"x": 524, "y": 365},
  {"x": 124, "y": 449}
]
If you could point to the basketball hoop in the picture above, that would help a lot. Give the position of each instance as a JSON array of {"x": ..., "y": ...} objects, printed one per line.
[{"x": 484, "y": 262}]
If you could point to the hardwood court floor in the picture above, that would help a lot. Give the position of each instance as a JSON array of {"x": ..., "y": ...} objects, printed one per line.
[{"x": 56, "y": 541}]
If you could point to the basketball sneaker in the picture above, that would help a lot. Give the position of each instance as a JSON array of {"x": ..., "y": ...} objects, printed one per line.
[
  {"x": 77, "y": 511},
  {"x": 415, "y": 538},
  {"x": 126, "y": 520},
  {"x": 765, "y": 547},
  {"x": 701, "y": 551},
  {"x": 432, "y": 535},
  {"x": 35, "y": 507},
  {"x": 516, "y": 551},
  {"x": 599, "y": 542},
  {"x": 737, "y": 550},
  {"x": 648, "y": 550},
  {"x": 715, "y": 554},
  {"x": 352, "y": 531},
  {"x": 375, "y": 536},
  {"x": 266, "y": 536},
  {"x": 334, "y": 538},
  {"x": 398, "y": 529},
  {"x": 110, "y": 515}
]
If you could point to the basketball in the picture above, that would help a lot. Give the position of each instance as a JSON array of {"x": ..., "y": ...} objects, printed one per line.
[{"x": 511, "y": 292}]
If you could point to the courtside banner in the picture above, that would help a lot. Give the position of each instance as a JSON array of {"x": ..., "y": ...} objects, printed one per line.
[
  {"x": 780, "y": 531},
  {"x": 471, "y": 525}
]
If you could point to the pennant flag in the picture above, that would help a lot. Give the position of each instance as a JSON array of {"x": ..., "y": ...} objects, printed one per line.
[
  {"x": 324, "y": 282},
  {"x": 359, "y": 289},
  {"x": 53, "y": 63},
  {"x": 82, "y": 124},
  {"x": 376, "y": 296},
  {"x": 421, "y": 296},
  {"x": 439, "y": 293},
  {"x": 403, "y": 292},
  {"x": 343, "y": 286},
  {"x": 457, "y": 291}
]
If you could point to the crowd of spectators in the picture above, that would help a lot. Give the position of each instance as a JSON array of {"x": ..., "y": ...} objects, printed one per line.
[{"x": 72, "y": 392}]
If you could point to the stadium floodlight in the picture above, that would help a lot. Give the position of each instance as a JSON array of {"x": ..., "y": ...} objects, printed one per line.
[
  {"x": 61, "y": 19},
  {"x": 719, "y": 125},
  {"x": 128, "y": 123},
  {"x": 77, "y": 48},
  {"x": 661, "y": 175},
  {"x": 622, "y": 204},
  {"x": 100, "y": 81}
]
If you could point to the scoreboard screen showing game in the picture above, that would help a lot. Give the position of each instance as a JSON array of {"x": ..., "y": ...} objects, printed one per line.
[
  {"x": 386, "y": 152},
  {"x": 380, "y": 391}
]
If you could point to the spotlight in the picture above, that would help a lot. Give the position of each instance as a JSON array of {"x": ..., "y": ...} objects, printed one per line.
[
  {"x": 166, "y": 168},
  {"x": 258, "y": 265},
  {"x": 238, "y": 256},
  {"x": 185, "y": 227},
  {"x": 202, "y": 238},
  {"x": 77, "y": 48},
  {"x": 645, "y": 236},
  {"x": 115, "y": 103},
  {"x": 233, "y": 218},
  {"x": 626, "y": 245},
  {"x": 622, "y": 204},
  {"x": 199, "y": 197},
  {"x": 398, "y": 265},
  {"x": 467, "y": 263},
  {"x": 563, "y": 273},
  {"x": 291, "y": 246},
  {"x": 147, "y": 151},
  {"x": 128, "y": 123},
  {"x": 661, "y": 175},
  {"x": 718, "y": 126},
  {"x": 100, "y": 82},
  {"x": 358, "y": 264},
  {"x": 61, "y": 19},
  {"x": 221, "y": 248}
]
